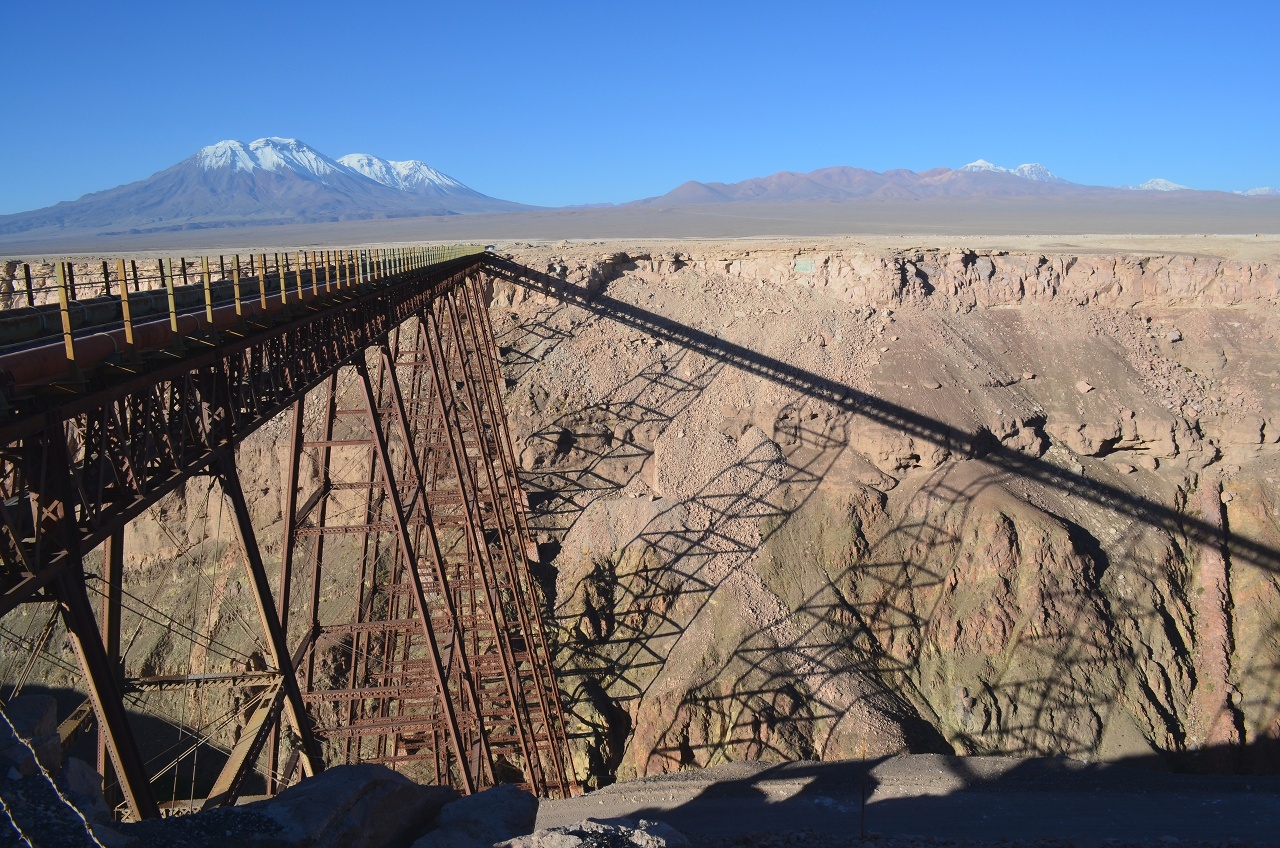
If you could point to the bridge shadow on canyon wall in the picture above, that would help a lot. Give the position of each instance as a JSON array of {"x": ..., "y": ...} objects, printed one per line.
[
  {"x": 974, "y": 623},
  {"x": 611, "y": 438}
]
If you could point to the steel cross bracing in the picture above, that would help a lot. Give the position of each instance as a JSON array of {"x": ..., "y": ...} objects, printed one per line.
[{"x": 399, "y": 489}]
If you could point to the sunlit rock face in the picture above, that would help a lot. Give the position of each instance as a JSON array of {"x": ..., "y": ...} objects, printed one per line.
[{"x": 850, "y": 503}]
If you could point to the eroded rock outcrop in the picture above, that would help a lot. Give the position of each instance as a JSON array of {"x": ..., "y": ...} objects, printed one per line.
[{"x": 948, "y": 279}]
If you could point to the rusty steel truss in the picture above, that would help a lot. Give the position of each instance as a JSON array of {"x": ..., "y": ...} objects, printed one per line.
[{"x": 402, "y": 626}]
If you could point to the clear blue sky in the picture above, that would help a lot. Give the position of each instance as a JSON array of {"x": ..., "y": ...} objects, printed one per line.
[{"x": 578, "y": 102}]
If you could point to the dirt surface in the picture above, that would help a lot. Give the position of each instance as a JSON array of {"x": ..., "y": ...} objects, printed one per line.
[{"x": 929, "y": 799}]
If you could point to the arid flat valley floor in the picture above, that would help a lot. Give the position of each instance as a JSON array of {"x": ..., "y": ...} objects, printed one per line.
[{"x": 938, "y": 218}]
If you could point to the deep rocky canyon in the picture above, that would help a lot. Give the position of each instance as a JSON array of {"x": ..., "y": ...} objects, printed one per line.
[
  {"x": 797, "y": 502},
  {"x": 848, "y": 504}
]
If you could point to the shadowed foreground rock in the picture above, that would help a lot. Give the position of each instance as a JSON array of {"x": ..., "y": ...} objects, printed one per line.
[
  {"x": 52, "y": 802},
  {"x": 48, "y": 800},
  {"x": 479, "y": 821},
  {"x": 360, "y": 806},
  {"x": 603, "y": 833}
]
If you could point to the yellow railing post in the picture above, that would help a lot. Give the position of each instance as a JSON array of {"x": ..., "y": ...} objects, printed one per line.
[
  {"x": 262, "y": 281},
  {"x": 167, "y": 282},
  {"x": 235, "y": 285},
  {"x": 125, "y": 313},
  {"x": 282, "y": 271},
  {"x": 64, "y": 307},
  {"x": 208, "y": 291}
]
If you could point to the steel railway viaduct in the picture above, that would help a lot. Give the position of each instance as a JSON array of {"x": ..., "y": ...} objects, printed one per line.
[{"x": 381, "y": 367}]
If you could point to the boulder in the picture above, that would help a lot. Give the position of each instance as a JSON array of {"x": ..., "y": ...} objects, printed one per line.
[
  {"x": 357, "y": 806},
  {"x": 603, "y": 833},
  {"x": 81, "y": 785},
  {"x": 892, "y": 451},
  {"x": 480, "y": 820},
  {"x": 35, "y": 724}
]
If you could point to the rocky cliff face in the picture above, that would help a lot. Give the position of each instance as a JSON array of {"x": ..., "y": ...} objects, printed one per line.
[{"x": 848, "y": 504}]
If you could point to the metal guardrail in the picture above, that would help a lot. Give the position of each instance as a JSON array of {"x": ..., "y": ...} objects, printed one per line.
[
  {"x": 139, "y": 309},
  {"x": 31, "y": 285}
]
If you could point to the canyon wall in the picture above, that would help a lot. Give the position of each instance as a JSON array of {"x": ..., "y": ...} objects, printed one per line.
[{"x": 1004, "y": 524}]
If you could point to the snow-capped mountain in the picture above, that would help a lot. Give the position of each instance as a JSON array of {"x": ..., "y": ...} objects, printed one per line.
[
  {"x": 410, "y": 175},
  {"x": 1032, "y": 171},
  {"x": 1039, "y": 173},
  {"x": 976, "y": 180},
  {"x": 1159, "y": 185},
  {"x": 1264, "y": 191},
  {"x": 267, "y": 181},
  {"x": 268, "y": 154},
  {"x": 419, "y": 179},
  {"x": 415, "y": 175}
]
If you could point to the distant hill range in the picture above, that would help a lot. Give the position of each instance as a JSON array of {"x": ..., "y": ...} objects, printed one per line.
[
  {"x": 268, "y": 181},
  {"x": 979, "y": 179},
  {"x": 275, "y": 181}
]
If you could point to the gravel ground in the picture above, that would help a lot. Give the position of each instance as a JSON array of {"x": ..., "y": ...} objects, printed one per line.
[
  {"x": 932, "y": 800},
  {"x": 812, "y": 839}
]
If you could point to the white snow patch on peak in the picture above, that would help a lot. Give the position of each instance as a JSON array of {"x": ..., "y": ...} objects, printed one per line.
[
  {"x": 406, "y": 176},
  {"x": 373, "y": 167},
  {"x": 1039, "y": 173},
  {"x": 267, "y": 154},
  {"x": 414, "y": 173},
  {"x": 1031, "y": 171},
  {"x": 226, "y": 154},
  {"x": 1264, "y": 191},
  {"x": 984, "y": 165},
  {"x": 1160, "y": 185},
  {"x": 289, "y": 154}
]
